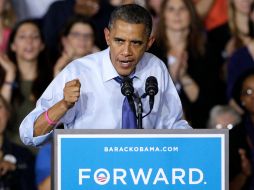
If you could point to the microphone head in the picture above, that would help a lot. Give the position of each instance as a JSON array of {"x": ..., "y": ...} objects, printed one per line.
[
  {"x": 127, "y": 87},
  {"x": 151, "y": 87}
]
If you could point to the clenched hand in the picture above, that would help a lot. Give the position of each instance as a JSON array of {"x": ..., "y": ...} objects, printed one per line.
[{"x": 72, "y": 92}]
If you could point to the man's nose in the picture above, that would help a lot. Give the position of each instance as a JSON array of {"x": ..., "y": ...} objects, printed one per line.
[{"x": 127, "y": 49}]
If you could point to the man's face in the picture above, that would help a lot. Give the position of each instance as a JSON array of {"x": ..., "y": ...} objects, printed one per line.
[{"x": 127, "y": 43}]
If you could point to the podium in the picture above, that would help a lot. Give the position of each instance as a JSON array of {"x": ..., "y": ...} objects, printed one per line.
[{"x": 194, "y": 159}]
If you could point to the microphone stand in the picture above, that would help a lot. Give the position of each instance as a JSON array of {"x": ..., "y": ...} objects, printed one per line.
[{"x": 139, "y": 112}]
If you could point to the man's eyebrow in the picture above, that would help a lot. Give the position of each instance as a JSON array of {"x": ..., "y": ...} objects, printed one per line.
[
  {"x": 118, "y": 38},
  {"x": 133, "y": 41}
]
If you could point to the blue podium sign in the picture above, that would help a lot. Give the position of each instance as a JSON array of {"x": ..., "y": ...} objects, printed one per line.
[{"x": 141, "y": 159}]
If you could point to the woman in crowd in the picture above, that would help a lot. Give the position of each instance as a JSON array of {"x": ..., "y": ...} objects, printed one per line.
[
  {"x": 16, "y": 162},
  {"x": 229, "y": 37},
  {"x": 77, "y": 40},
  {"x": 241, "y": 60},
  {"x": 243, "y": 94},
  {"x": 238, "y": 24},
  {"x": 61, "y": 11},
  {"x": 33, "y": 74},
  {"x": 180, "y": 43}
]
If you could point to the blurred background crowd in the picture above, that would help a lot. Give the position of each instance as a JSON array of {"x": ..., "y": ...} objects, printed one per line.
[{"x": 207, "y": 46}]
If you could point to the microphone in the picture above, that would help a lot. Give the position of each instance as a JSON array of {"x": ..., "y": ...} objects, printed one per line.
[
  {"x": 151, "y": 89},
  {"x": 127, "y": 90},
  {"x": 127, "y": 87}
]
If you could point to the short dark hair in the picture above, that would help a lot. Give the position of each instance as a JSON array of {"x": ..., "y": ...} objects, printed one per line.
[{"x": 134, "y": 14}]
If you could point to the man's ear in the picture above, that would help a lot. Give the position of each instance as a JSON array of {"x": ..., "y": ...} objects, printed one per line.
[
  {"x": 107, "y": 35},
  {"x": 150, "y": 42}
]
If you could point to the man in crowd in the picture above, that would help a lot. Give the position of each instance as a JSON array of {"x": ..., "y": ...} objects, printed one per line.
[{"x": 87, "y": 94}]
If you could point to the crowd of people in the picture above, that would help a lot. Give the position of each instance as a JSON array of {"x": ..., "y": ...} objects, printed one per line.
[{"x": 207, "y": 47}]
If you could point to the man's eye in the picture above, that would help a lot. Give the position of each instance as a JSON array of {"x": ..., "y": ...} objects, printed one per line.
[
  {"x": 137, "y": 43},
  {"x": 119, "y": 41}
]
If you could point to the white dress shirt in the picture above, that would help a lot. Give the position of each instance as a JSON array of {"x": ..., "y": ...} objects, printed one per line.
[{"x": 100, "y": 102}]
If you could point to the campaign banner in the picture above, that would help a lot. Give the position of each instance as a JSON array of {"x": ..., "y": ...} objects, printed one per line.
[{"x": 183, "y": 160}]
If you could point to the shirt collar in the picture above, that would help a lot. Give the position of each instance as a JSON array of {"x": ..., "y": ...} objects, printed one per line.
[{"x": 109, "y": 72}]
